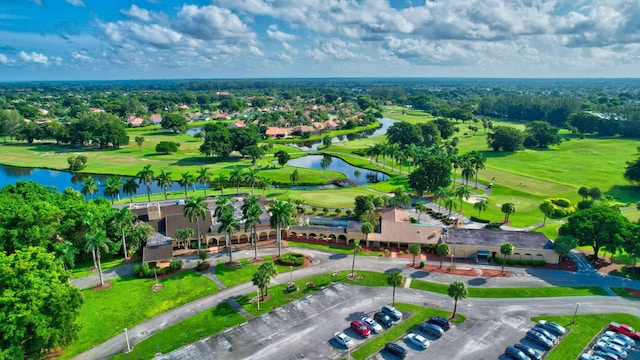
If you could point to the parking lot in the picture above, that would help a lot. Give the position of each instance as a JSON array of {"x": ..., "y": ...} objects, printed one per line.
[{"x": 304, "y": 329}]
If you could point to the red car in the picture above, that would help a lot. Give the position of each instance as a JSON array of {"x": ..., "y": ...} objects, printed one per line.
[
  {"x": 625, "y": 330},
  {"x": 359, "y": 327}
]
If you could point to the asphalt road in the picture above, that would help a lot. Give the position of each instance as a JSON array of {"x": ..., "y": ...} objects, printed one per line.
[{"x": 507, "y": 317}]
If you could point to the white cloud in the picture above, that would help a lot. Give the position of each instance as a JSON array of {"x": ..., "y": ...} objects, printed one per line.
[
  {"x": 33, "y": 57},
  {"x": 81, "y": 57},
  {"x": 211, "y": 22},
  {"x": 275, "y": 34},
  {"x": 135, "y": 12},
  {"x": 4, "y": 59},
  {"x": 77, "y": 3}
]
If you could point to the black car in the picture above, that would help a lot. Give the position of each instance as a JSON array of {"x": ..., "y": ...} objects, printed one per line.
[
  {"x": 534, "y": 355},
  {"x": 383, "y": 319},
  {"x": 440, "y": 321},
  {"x": 514, "y": 353},
  {"x": 396, "y": 350}
]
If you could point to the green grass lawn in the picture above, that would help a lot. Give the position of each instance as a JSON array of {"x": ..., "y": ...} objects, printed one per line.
[
  {"x": 581, "y": 333},
  {"x": 86, "y": 268},
  {"x": 131, "y": 301},
  {"x": 231, "y": 277},
  {"x": 199, "y": 326},
  {"x": 335, "y": 249},
  {"x": 514, "y": 292},
  {"x": 419, "y": 314}
]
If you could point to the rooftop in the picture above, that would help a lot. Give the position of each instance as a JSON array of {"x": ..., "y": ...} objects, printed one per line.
[{"x": 485, "y": 237}]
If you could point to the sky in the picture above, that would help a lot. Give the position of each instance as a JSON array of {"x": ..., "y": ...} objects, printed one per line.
[{"x": 221, "y": 39}]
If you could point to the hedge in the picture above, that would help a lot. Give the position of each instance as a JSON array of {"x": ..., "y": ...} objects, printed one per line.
[
  {"x": 476, "y": 219},
  {"x": 292, "y": 259},
  {"x": 144, "y": 271},
  {"x": 522, "y": 262}
]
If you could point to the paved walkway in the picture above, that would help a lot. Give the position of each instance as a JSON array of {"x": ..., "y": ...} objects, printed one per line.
[{"x": 327, "y": 262}]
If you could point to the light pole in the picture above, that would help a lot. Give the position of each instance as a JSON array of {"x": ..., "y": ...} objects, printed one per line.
[
  {"x": 126, "y": 336},
  {"x": 258, "y": 296},
  {"x": 451, "y": 267},
  {"x": 291, "y": 273},
  {"x": 575, "y": 313}
]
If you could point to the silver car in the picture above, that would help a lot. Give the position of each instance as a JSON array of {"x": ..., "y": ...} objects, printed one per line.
[{"x": 372, "y": 325}]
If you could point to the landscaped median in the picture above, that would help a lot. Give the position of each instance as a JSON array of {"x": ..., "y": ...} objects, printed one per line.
[
  {"x": 131, "y": 301},
  {"x": 583, "y": 331},
  {"x": 514, "y": 292}
]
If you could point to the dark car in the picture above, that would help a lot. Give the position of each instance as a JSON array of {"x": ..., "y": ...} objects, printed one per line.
[
  {"x": 527, "y": 350},
  {"x": 396, "y": 350},
  {"x": 440, "y": 321},
  {"x": 539, "y": 339},
  {"x": 554, "y": 328},
  {"x": 383, "y": 319},
  {"x": 546, "y": 334},
  {"x": 394, "y": 313},
  {"x": 514, "y": 353},
  {"x": 431, "y": 329}
]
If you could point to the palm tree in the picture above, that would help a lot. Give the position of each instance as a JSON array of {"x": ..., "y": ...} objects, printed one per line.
[
  {"x": 203, "y": 178},
  {"x": 441, "y": 193},
  {"x": 356, "y": 248},
  {"x": 164, "y": 180},
  {"x": 583, "y": 191},
  {"x": 251, "y": 212},
  {"x": 281, "y": 213},
  {"x": 66, "y": 253},
  {"x": 183, "y": 235},
  {"x": 462, "y": 193},
  {"x": 324, "y": 164},
  {"x": 96, "y": 240},
  {"x": 146, "y": 176},
  {"x": 481, "y": 205},
  {"x": 263, "y": 275},
  {"x": 546, "y": 207},
  {"x": 186, "y": 180},
  {"x": 457, "y": 290},
  {"x": 112, "y": 188},
  {"x": 467, "y": 170},
  {"x": 442, "y": 250},
  {"x": 228, "y": 223},
  {"x": 123, "y": 218},
  {"x": 194, "y": 209},
  {"x": 394, "y": 279},
  {"x": 89, "y": 186},
  {"x": 222, "y": 205},
  {"x": 236, "y": 177},
  {"x": 366, "y": 229},
  {"x": 130, "y": 187},
  {"x": 265, "y": 183},
  {"x": 456, "y": 162},
  {"x": 251, "y": 177},
  {"x": 450, "y": 204},
  {"x": 508, "y": 209},
  {"x": 293, "y": 178},
  {"x": 477, "y": 159},
  {"x": 384, "y": 151},
  {"x": 221, "y": 180},
  {"x": 420, "y": 208},
  {"x": 506, "y": 249},
  {"x": 411, "y": 150}
]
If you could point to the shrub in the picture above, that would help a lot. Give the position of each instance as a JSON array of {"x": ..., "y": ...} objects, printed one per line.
[
  {"x": 338, "y": 212},
  {"x": 477, "y": 219},
  {"x": 202, "y": 255},
  {"x": 325, "y": 211},
  {"x": 203, "y": 265},
  {"x": 143, "y": 270},
  {"x": 421, "y": 264},
  {"x": 292, "y": 259},
  {"x": 400, "y": 252},
  {"x": 493, "y": 226},
  {"x": 412, "y": 220},
  {"x": 348, "y": 212},
  {"x": 386, "y": 253},
  {"x": 175, "y": 265},
  {"x": 560, "y": 202},
  {"x": 167, "y": 147},
  {"x": 585, "y": 204}
]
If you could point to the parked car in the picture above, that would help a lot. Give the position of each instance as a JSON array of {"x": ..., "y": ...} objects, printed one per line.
[
  {"x": 343, "y": 339},
  {"x": 372, "y": 325},
  {"x": 625, "y": 330},
  {"x": 605, "y": 355},
  {"x": 396, "y": 350},
  {"x": 610, "y": 348},
  {"x": 615, "y": 341},
  {"x": 539, "y": 339},
  {"x": 383, "y": 319},
  {"x": 440, "y": 321},
  {"x": 431, "y": 329},
  {"x": 359, "y": 327},
  {"x": 392, "y": 312},
  {"x": 529, "y": 351},
  {"x": 592, "y": 356},
  {"x": 514, "y": 353},
  {"x": 546, "y": 334},
  {"x": 417, "y": 340},
  {"x": 554, "y": 328},
  {"x": 625, "y": 338}
]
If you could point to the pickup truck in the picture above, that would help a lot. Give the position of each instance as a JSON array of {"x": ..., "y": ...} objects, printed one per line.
[{"x": 625, "y": 329}]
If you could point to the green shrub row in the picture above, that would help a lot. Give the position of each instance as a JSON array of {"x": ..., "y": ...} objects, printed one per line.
[
  {"x": 477, "y": 219},
  {"x": 562, "y": 202},
  {"x": 522, "y": 262},
  {"x": 561, "y": 207},
  {"x": 145, "y": 271},
  {"x": 292, "y": 259}
]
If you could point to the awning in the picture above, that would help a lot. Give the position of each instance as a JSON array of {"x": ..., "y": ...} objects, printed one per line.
[{"x": 483, "y": 253}]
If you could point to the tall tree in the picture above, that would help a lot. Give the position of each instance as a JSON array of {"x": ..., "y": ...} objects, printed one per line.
[
  {"x": 366, "y": 228},
  {"x": 508, "y": 209},
  {"x": 281, "y": 213},
  {"x": 39, "y": 307},
  {"x": 236, "y": 177},
  {"x": 228, "y": 223},
  {"x": 130, "y": 187},
  {"x": 123, "y": 219},
  {"x": 505, "y": 138},
  {"x": 252, "y": 177},
  {"x": 294, "y": 177},
  {"x": 89, "y": 186},
  {"x": 462, "y": 193},
  {"x": 441, "y": 193},
  {"x": 415, "y": 250},
  {"x": 164, "y": 180},
  {"x": 450, "y": 204},
  {"x": 283, "y": 157},
  {"x": 420, "y": 208},
  {"x": 112, "y": 187},
  {"x": 583, "y": 191},
  {"x": 194, "y": 209},
  {"x": 186, "y": 180},
  {"x": 632, "y": 171},
  {"x": 481, "y": 205},
  {"x": 431, "y": 173},
  {"x": 146, "y": 176},
  {"x": 97, "y": 240},
  {"x": 563, "y": 246},
  {"x": 506, "y": 250},
  {"x": 478, "y": 160},
  {"x": 546, "y": 207},
  {"x": 183, "y": 236},
  {"x": 442, "y": 250},
  {"x": 251, "y": 212},
  {"x": 457, "y": 290},
  {"x": 221, "y": 180},
  {"x": 203, "y": 178},
  {"x": 394, "y": 279},
  {"x": 263, "y": 276},
  {"x": 356, "y": 248}
]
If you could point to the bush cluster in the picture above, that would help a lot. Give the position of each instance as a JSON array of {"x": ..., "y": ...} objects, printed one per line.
[
  {"x": 292, "y": 259},
  {"x": 145, "y": 271},
  {"x": 493, "y": 226},
  {"x": 482, "y": 221},
  {"x": 203, "y": 265},
  {"x": 561, "y": 207}
]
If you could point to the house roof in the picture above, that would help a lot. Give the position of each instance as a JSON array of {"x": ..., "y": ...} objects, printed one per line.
[
  {"x": 157, "y": 253},
  {"x": 273, "y": 131},
  {"x": 485, "y": 237}
]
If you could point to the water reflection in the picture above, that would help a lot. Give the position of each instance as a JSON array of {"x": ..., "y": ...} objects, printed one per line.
[
  {"x": 353, "y": 173},
  {"x": 313, "y": 145},
  {"x": 14, "y": 171}
]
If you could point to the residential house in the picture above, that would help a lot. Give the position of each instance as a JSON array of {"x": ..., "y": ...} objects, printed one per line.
[{"x": 277, "y": 132}]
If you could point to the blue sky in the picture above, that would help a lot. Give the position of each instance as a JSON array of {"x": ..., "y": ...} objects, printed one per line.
[{"x": 163, "y": 39}]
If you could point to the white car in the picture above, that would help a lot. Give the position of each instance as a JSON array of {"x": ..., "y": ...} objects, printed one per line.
[
  {"x": 372, "y": 325},
  {"x": 629, "y": 341},
  {"x": 612, "y": 349},
  {"x": 417, "y": 340},
  {"x": 343, "y": 339},
  {"x": 615, "y": 341}
]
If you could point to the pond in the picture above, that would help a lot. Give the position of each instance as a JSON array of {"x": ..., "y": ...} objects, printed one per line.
[
  {"x": 338, "y": 165},
  {"x": 313, "y": 145}
]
